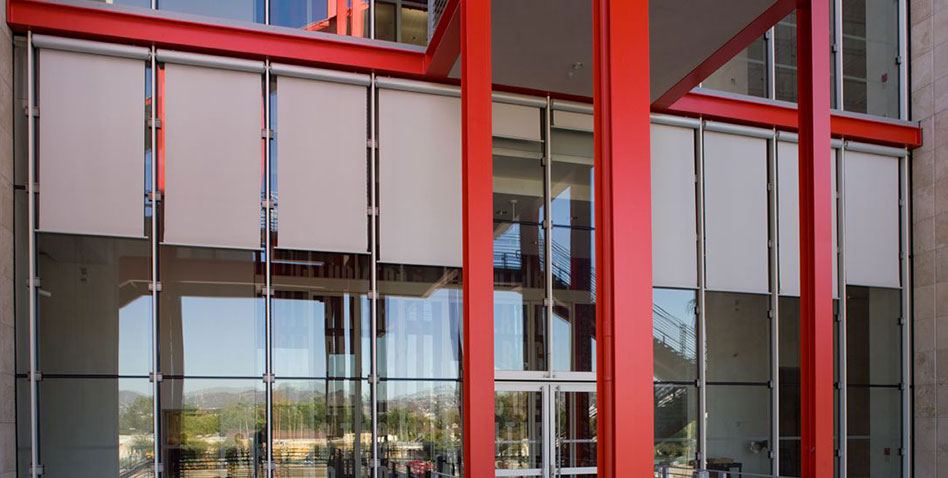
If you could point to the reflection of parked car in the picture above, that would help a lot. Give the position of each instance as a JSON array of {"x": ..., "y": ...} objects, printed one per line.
[{"x": 418, "y": 466}]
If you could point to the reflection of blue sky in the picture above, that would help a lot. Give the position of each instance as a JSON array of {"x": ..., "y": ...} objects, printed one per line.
[
  {"x": 300, "y": 335},
  {"x": 222, "y": 335},
  {"x": 422, "y": 335},
  {"x": 508, "y": 330},
  {"x": 674, "y": 319},
  {"x": 244, "y": 10},
  {"x": 135, "y": 345}
]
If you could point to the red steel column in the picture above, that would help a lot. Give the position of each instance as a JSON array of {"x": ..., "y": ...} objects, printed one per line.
[
  {"x": 478, "y": 188},
  {"x": 623, "y": 239},
  {"x": 816, "y": 240}
]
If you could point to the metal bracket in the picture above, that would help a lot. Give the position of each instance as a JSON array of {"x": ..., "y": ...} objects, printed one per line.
[
  {"x": 898, "y": 60},
  {"x": 372, "y": 211},
  {"x": 371, "y": 143},
  {"x": 265, "y": 291},
  {"x": 833, "y": 47},
  {"x": 153, "y": 123},
  {"x": 36, "y": 283},
  {"x": 271, "y": 466},
  {"x": 161, "y": 467},
  {"x": 373, "y": 379},
  {"x": 266, "y": 203},
  {"x": 36, "y": 469},
  {"x": 373, "y": 295},
  {"x": 154, "y": 286},
  {"x": 35, "y": 112},
  {"x": 39, "y": 376},
  {"x": 266, "y": 133},
  {"x": 36, "y": 187},
  {"x": 770, "y": 384},
  {"x": 269, "y": 378},
  {"x": 155, "y": 377},
  {"x": 154, "y": 196},
  {"x": 547, "y": 302}
]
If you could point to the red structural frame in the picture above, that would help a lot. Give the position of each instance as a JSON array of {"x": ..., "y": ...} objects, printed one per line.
[
  {"x": 477, "y": 181},
  {"x": 816, "y": 240},
  {"x": 624, "y": 385},
  {"x": 622, "y": 107}
]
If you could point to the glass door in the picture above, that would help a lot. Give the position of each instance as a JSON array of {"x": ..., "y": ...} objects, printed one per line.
[
  {"x": 545, "y": 429},
  {"x": 574, "y": 436}
]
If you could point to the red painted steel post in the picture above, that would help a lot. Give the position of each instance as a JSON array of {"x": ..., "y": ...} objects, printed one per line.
[
  {"x": 478, "y": 189},
  {"x": 816, "y": 240},
  {"x": 623, "y": 239}
]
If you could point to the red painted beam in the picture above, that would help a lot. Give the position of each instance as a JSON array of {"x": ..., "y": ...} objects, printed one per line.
[
  {"x": 477, "y": 185},
  {"x": 445, "y": 44},
  {"x": 768, "y": 114},
  {"x": 753, "y": 31},
  {"x": 624, "y": 371},
  {"x": 111, "y": 24},
  {"x": 816, "y": 240}
]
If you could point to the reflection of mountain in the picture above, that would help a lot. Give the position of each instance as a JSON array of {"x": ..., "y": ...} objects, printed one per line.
[
  {"x": 127, "y": 397},
  {"x": 222, "y": 397}
]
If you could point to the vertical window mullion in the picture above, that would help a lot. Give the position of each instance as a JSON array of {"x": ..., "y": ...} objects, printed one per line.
[
  {"x": 774, "y": 306},
  {"x": 268, "y": 291},
  {"x": 155, "y": 197},
  {"x": 702, "y": 381}
]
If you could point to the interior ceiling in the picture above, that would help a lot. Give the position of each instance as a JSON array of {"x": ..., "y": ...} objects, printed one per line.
[{"x": 546, "y": 45}]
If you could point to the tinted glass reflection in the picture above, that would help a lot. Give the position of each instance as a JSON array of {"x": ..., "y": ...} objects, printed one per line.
[
  {"x": 401, "y": 22},
  {"x": 519, "y": 289},
  {"x": 320, "y": 314},
  {"x": 675, "y": 336},
  {"x": 574, "y": 296},
  {"x": 242, "y": 10},
  {"x": 874, "y": 425},
  {"x": 419, "y": 322},
  {"x": 676, "y": 426},
  {"x": 322, "y": 428},
  {"x": 873, "y": 336},
  {"x": 519, "y": 425},
  {"x": 870, "y": 57},
  {"x": 213, "y": 427},
  {"x": 112, "y": 436},
  {"x": 575, "y": 438},
  {"x": 789, "y": 379},
  {"x": 321, "y": 16},
  {"x": 94, "y": 306},
  {"x": 738, "y": 330},
  {"x": 419, "y": 428},
  {"x": 572, "y": 183},
  {"x": 745, "y": 74},
  {"x": 212, "y": 313},
  {"x": 518, "y": 181},
  {"x": 133, "y": 3},
  {"x": 739, "y": 428}
]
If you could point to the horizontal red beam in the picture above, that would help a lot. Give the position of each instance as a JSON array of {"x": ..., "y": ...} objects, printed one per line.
[
  {"x": 105, "y": 23},
  {"x": 768, "y": 114}
]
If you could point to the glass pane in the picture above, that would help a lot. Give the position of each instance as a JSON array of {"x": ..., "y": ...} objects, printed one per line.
[
  {"x": 133, "y": 3},
  {"x": 211, "y": 312},
  {"x": 320, "y": 314},
  {"x": 873, "y": 336},
  {"x": 870, "y": 52},
  {"x": 575, "y": 420},
  {"x": 738, "y": 331},
  {"x": 213, "y": 427},
  {"x": 785, "y": 60},
  {"x": 739, "y": 428},
  {"x": 322, "y": 428},
  {"x": 745, "y": 74},
  {"x": 675, "y": 334},
  {"x": 321, "y": 16},
  {"x": 419, "y": 322},
  {"x": 519, "y": 424},
  {"x": 518, "y": 181},
  {"x": 676, "y": 427},
  {"x": 242, "y": 10},
  {"x": 419, "y": 428},
  {"x": 574, "y": 299},
  {"x": 23, "y": 445},
  {"x": 405, "y": 24},
  {"x": 789, "y": 379},
  {"x": 572, "y": 182},
  {"x": 874, "y": 442},
  {"x": 94, "y": 307},
  {"x": 112, "y": 436},
  {"x": 519, "y": 289}
]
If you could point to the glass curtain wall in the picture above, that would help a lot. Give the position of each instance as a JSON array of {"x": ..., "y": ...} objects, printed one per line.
[
  {"x": 400, "y": 21},
  {"x": 865, "y": 39}
]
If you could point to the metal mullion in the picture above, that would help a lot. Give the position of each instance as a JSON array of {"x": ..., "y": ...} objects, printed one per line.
[
  {"x": 155, "y": 367},
  {"x": 773, "y": 252},
  {"x": 702, "y": 289},
  {"x": 771, "y": 63},
  {"x": 903, "y": 62},
  {"x": 373, "y": 274},
  {"x": 548, "y": 229},
  {"x": 31, "y": 221},
  {"x": 838, "y": 53},
  {"x": 906, "y": 322},
  {"x": 841, "y": 310},
  {"x": 268, "y": 292}
]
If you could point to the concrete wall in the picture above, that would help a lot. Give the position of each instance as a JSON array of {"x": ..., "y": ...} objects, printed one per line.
[
  {"x": 7, "y": 412},
  {"x": 929, "y": 91}
]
